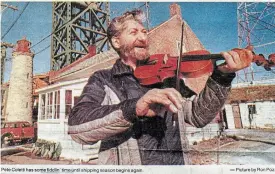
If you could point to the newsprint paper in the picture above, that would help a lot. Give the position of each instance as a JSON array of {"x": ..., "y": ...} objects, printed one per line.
[{"x": 50, "y": 50}]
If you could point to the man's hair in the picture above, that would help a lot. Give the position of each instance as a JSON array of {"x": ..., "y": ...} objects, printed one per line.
[{"x": 117, "y": 24}]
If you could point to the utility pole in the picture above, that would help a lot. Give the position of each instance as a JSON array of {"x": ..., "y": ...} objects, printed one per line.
[
  {"x": 4, "y": 46},
  {"x": 6, "y": 6}
]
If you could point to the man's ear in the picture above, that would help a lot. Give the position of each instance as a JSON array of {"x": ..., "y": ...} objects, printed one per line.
[{"x": 115, "y": 42}]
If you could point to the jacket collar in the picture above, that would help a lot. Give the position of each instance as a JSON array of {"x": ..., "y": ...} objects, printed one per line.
[{"x": 120, "y": 68}]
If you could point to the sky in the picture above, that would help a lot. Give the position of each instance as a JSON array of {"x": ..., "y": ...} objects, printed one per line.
[{"x": 214, "y": 23}]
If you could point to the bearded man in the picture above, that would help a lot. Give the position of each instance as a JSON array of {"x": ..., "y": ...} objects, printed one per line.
[{"x": 116, "y": 110}]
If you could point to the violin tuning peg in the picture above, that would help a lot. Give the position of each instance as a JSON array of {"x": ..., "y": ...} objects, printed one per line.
[
  {"x": 271, "y": 58},
  {"x": 267, "y": 68},
  {"x": 261, "y": 55},
  {"x": 258, "y": 63},
  {"x": 250, "y": 47}
]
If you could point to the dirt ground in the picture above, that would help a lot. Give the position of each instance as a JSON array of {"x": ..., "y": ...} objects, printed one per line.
[
  {"x": 202, "y": 153},
  {"x": 29, "y": 158},
  {"x": 199, "y": 155}
]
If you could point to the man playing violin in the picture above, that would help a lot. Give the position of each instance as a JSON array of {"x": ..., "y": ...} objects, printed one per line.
[{"x": 135, "y": 123}]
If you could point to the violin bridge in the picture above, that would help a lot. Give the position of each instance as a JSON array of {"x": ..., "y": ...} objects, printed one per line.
[{"x": 165, "y": 59}]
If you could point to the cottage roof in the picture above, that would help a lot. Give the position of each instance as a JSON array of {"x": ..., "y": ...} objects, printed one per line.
[
  {"x": 40, "y": 81},
  {"x": 252, "y": 93},
  {"x": 84, "y": 65}
]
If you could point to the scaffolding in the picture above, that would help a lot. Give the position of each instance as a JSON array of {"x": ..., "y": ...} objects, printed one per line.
[{"x": 76, "y": 26}]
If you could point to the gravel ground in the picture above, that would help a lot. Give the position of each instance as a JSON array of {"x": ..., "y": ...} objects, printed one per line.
[
  {"x": 200, "y": 154},
  {"x": 27, "y": 157}
]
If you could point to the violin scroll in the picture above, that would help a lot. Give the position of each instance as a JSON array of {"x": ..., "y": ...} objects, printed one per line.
[{"x": 260, "y": 60}]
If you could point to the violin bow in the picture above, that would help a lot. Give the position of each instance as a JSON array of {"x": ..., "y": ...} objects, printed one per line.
[
  {"x": 181, "y": 121},
  {"x": 175, "y": 116},
  {"x": 179, "y": 60}
]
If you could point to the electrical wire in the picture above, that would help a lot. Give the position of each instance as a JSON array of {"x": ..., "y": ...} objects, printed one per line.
[
  {"x": 42, "y": 50},
  {"x": 48, "y": 36},
  {"x": 42, "y": 40},
  {"x": 15, "y": 20}
]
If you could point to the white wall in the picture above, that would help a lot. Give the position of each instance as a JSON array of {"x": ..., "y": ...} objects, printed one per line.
[{"x": 264, "y": 118}]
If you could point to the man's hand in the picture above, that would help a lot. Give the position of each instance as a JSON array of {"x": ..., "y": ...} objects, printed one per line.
[
  {"x": 236, "y": 60},
  {"x": 169, "y": 97}
]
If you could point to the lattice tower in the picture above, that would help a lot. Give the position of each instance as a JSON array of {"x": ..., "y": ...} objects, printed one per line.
[
  {"x": 76, "y": 26},
  {"x": 256, "y": 26}
]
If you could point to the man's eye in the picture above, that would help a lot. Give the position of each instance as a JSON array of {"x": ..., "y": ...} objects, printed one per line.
[{"x": 133, "y": 32}]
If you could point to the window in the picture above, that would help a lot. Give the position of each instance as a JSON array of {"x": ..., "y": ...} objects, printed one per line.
[
  {"x": 252, "y": 109},
  {"x": 56, "y": 104},
  {"x": 14, "y": 125},
  {"x": 25, "y": 125},
  {"x": 49, "y": 105},
  {"x": 68, "y": 102},
  {"x": 42, "y": 106}
]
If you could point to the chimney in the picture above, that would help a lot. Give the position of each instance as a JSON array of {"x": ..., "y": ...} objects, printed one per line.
[
  {"x": 92, "y": 50},
  {"x": 175, "y": 10}
]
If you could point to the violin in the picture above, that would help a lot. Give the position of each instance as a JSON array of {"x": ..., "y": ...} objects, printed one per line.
[{"x": 159, "y": 67}]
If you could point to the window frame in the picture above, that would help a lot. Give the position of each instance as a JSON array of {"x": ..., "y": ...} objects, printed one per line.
[
  {"x": 51, "y": 107},
  {"x": 252, "y": 108}
]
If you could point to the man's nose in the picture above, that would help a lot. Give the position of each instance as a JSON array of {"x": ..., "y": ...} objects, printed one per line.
[{"x": 142, "y": 36}]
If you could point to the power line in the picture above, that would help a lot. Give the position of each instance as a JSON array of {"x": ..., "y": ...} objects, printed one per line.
[
  {"x": 42, "y": 50},
  {"x": 42, "y": 40},
  {"x": 47, "y": 36},
  {"x": 15, "y": 20}
]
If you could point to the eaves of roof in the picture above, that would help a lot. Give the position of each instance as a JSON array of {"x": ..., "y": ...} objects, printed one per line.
[
  {"x": 252, "y": 94},
  {"x": 83, "y": 63}
]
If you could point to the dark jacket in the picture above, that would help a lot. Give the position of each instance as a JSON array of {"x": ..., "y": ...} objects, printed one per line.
[{"x": 106, "y": 112}]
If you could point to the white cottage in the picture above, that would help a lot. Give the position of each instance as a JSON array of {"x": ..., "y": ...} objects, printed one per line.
[{"x": 251, "y": 106}]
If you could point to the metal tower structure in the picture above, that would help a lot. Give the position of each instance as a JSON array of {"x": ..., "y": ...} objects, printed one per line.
[
  {"x": 76, "y": 27},
  {"x": 256, "y": 26}
]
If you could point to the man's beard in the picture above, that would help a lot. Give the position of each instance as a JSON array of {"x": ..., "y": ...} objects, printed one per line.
[{"x": 136, "y": 51}]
